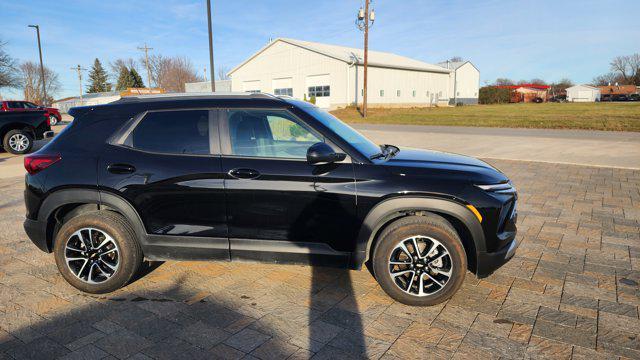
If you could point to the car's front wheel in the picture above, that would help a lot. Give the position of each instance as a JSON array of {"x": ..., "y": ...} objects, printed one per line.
[
  {"x": 97, "y": 252},
  {"x": 420, "y": 260}
]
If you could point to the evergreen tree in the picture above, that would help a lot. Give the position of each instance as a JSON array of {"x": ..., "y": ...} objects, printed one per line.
[
  {"x": 124, "y": 79},
  {"x": 98, "y": 79},
  {"x": 136, "y": 79}
]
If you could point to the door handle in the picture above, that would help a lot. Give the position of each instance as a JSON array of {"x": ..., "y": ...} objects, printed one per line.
[
  {"x": 121, "y": 169},
  {"x": 244, "y": 173}
]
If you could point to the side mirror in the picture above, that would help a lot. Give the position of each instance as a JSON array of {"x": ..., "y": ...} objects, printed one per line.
[{"x": 321, "y": 153}]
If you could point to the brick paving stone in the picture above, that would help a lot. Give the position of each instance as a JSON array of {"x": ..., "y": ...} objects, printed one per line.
[
  {"x": 247, "y": 340},
  {"x": 569, "y": 291}
]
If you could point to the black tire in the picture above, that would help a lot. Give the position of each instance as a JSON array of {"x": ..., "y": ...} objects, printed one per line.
[
  {"x": 118, "y": 228},
  {"x": 23, "y": 146},
  {"x": 53, "y": 120},
  {"x": 431, "y": 226}
]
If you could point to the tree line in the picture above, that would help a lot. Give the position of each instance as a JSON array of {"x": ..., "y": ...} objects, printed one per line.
[{"x": 167, "y": 72}]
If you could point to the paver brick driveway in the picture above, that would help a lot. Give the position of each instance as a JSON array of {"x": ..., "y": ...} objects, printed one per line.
[{"x": 571, "y": 291}]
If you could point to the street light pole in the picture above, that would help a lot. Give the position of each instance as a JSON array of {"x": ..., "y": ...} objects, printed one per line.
[
  {"x": 146, "y": 61},
  {"x": 364, "y": 21},
  {"x": 213, "y": 83},
  {"x": 44, "y": 86}
]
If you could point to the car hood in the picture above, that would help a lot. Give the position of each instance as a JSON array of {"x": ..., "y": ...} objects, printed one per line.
[{"x": 438, "y": 162}]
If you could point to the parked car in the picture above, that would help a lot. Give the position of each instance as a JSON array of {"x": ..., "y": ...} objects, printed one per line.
[
  {"x": 18, "y": 130},
  {"x": 257, "y": 177},
  {"x": 619, "y": 97},
  {"x": 558, "y": 98},
  {"x": 538, "y": 100},
  {"x": 634, "y": 97},
  {"x": 11, "y": 105}
]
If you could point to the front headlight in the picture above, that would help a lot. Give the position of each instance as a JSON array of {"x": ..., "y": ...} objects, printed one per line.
[{"x": 503, "y": 188}]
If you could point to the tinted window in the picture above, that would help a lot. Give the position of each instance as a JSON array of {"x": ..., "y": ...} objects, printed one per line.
[
  {"x": 29, "y": 105},
  {"x": 174, "y": 132},
  {"x": 269, "y": 133},
  {"x": 15, "y": 105}
]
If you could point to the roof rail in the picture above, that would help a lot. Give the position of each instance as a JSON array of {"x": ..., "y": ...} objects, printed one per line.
[{"x": 194, "y": 95}]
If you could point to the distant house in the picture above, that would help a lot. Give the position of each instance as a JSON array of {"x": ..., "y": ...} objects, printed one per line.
[
  {"x": 527, "y": 92},
  {"x": 583, "y": 93},
  {"x": 608, "y": 92}
]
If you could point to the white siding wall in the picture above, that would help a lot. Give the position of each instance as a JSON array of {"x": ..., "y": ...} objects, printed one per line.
[
  {"x": 581, "y": 93},
  {"x": 467, "y": 82},
  {"x": 428, "y": 87},
  {"x": 281, "y": 61}
]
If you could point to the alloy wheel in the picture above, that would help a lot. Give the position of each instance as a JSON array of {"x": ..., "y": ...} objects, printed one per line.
[
  {"x": 19, "y": 142},
  {"x": 92, "y": 255},
  {"x": 420, "y": 265}
]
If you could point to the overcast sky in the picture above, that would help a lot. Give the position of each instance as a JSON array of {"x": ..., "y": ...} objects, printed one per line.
[{"x": 515, "y": 39}]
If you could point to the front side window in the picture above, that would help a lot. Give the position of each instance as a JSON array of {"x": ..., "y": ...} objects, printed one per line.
[
  {"x": 173, "y": 132},
  {"x": 319, "y": 91},
  {"x": 283, "y": 91},
  {"x": 269, "y": 133}
]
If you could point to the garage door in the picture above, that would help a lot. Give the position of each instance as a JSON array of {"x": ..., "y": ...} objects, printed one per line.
[
  {"x": 584, "y": 94},
  {"x": 320, "y": 87},
  {"x": 252, "y": 86},
  {"x": 282, "y": 86}
]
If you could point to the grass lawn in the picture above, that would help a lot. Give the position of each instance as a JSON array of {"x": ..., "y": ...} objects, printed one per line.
[{"x": 593, "y": 116}]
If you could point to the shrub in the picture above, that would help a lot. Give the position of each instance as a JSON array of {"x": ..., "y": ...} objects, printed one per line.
[{"x": 494, "y": 95}]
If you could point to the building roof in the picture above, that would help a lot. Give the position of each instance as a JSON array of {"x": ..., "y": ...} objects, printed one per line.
[
  {"x": 583, "y": 86},
  {"x": 618, "y": 89},
  {"x": 529, "y": 86},
  {"x": 354, "y": 56}
]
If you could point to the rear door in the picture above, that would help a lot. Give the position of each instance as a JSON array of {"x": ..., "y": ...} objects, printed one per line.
[{"x": 167, "y": 164}]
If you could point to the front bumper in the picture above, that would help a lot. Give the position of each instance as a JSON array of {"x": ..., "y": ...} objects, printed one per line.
[
  {"x": 37, "y": 232},
  {"x": 488, "y": 262}
]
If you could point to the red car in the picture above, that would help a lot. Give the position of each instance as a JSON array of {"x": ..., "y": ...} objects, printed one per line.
[{"x": 20, "y": 105}]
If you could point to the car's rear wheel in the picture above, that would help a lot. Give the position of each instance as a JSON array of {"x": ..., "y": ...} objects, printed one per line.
[
  {"x": 97, "y": 252},
  {"x": 420, "y": 260},
  {"x": 53, "y": 120},
  {"x": 17, "y": 142}
]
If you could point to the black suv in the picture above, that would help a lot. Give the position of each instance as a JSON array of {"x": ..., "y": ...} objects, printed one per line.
[{"x": 257, "y": 177}]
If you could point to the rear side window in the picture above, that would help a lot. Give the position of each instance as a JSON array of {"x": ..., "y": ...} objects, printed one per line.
[{"x": 173, "y": 132}]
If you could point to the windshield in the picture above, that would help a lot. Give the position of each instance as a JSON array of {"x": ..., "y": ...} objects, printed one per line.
[{"x": 349, "y": 134}]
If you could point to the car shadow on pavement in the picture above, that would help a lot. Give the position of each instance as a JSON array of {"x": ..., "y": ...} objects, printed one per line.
[{"x": 166, "y": 318}]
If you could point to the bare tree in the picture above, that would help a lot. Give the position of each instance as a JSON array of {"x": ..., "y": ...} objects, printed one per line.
[
  {"x": 561, "y": 86},
  {"x": 607, "y": 79},
  {"x": 8, "y": 70},
  {"x": 537, "y": 81},
  {"x": 117, "y": 65},
  {"x": 223, "y": 71},
  {"x": 31, "y": 83},
  {"x": 171, "y": 73},
  {"x": 627, "y": 68},
  {"x": 456, "y": 59},
  {"x": 503, "y": 82}
]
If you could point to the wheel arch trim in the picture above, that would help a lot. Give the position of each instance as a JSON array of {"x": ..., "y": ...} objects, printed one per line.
[
  {"x": 63, "y": 197},
  {"x": 391, "y": 209}
]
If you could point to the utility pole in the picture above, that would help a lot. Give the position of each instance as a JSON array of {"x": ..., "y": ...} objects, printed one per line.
[
  {"x": 213, "y": 82},
  {"x": 79, "y": 69},
  {"x": 364, "y": 21},
  {"x": 146, "y": 60},
  {"x": 44, "y": 86},
  {"x": 205, "y": 73}
]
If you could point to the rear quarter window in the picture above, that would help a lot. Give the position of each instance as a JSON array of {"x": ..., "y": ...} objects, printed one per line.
[{"x": 173, "y": 132}]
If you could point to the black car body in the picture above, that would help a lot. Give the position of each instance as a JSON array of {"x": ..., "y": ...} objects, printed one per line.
[
  {"x": 33, "y": 125},
  {"x": 216, "y": 198}
]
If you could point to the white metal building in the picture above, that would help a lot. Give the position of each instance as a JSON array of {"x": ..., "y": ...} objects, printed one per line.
[
  {"x": 583, "y": 93},
  {"x": 464, "y": 82},
  {"x": 334, "y": 75},
  {"x": 87, "y": 99},
  {"x": 205, "y": 86}
]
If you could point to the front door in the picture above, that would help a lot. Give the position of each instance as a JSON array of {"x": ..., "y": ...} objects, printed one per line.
[
  {"x": 280, "y": 207},
  {"x": 167, "y": 165}
]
